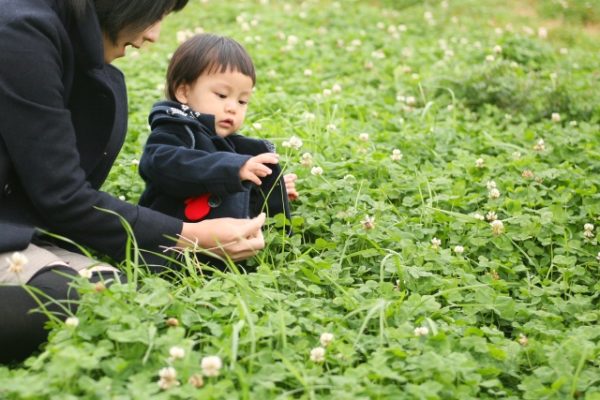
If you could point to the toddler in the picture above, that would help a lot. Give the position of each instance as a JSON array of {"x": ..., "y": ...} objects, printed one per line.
[{"x": 195, "y": 164}]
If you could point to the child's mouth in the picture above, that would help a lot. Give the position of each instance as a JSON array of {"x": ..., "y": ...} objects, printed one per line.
[{"x": 226, "y": 123}]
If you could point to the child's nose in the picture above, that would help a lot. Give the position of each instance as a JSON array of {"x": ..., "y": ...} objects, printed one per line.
[{"x": 230, "y": 106}]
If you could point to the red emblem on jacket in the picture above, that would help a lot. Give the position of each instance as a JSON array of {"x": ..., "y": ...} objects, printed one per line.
[{"x": 197, "y": 208}]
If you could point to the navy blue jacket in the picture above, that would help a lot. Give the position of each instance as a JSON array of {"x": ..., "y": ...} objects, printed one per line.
[
  {"x": 185, "y": 158},
  {"x": 63, "y": 121}
]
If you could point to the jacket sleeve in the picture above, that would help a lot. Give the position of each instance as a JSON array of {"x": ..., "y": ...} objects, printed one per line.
[
  {"x": 171, "y": 166},
  {"x": 40, "y": 140}
]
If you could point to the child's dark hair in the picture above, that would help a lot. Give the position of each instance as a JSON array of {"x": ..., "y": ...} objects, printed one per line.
[{"x": 205, "y": 54}]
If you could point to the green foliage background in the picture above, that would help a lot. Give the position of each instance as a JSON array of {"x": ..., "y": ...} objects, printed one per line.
[{"x": 446, "y": 83}]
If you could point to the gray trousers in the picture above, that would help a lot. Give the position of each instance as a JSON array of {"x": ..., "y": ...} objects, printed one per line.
[{"x": 38, "y": 256}]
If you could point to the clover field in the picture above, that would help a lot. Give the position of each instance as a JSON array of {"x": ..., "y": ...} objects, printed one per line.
[{"x": 446, "y": 234}]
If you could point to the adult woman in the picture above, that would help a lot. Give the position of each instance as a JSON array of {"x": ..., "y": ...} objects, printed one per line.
[{"x": 63, "y": 122}]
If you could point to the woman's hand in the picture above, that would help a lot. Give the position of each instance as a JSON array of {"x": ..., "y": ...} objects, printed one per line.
[
  {"x": 233, "y": 238},
  {"x": 290, "y": 186}
]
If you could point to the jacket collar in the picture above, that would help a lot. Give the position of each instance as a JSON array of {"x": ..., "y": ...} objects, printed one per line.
[{"x": 183, "y": 113}]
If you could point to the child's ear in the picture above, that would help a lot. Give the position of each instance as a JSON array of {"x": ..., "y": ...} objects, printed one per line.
[{"x": 181, "y": 94}]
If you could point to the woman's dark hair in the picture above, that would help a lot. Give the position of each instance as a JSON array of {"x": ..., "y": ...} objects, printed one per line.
[
  {"x": 134, "y": 15},
  {"x": 205, "y": 54}
]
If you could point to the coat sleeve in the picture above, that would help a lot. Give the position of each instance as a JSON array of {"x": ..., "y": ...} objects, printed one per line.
[
  {"x": 171, "y": 166},
  {"x": 40, "y": 140}
]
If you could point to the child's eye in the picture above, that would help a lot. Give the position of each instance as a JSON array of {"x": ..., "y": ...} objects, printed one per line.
[
  {"x": 243, "y": 102},
  {"x": 221, "y": 96}
]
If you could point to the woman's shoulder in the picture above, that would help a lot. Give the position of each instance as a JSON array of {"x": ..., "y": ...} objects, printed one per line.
[{"x": 32, "y": 15}]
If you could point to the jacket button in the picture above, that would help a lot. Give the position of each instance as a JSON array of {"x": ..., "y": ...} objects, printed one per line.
[
  {"x": 7, "y": 189},
  {"x": 214, "y": 201}
]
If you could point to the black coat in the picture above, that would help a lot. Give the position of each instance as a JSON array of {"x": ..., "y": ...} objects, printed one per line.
[
  {"x": 185, "y": 158},
  {"x": 63, "y": 121}
]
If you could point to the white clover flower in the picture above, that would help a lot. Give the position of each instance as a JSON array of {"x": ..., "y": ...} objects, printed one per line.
[
  {"x": 527, "y": 174},
  {"x": 494, "y": 193},
  {"x": 271, "y": 73},
  {"x": 16, "y": 262},
  {"x": 294, "y": 143},
  {"x": 491, "y": 185},
  {"x": 245, "y": 27},
  {"x": 411, "y": 100},
  {"x": 458, "y": 249},
  {"x": 523, "y": 340},
  {"x": 306, "y": 160},
  {"x": 378, "y": 54},
  {"x": 415, "y": 77},
  {"x": 539, "y": 145},
  {"x": 176, "y": 352},
  {"x": 368, "y": 223},
  {"x": 168, "y": 378},
  {"x": 308, "y": 72},
  {"x": 326, "y": 92},
  {"x": 555, "y": 117},
  {"x": 308, "y": 116},
  {"x": 326, "y": 339},
  {"x": 317, "y": 171},
  {"x": 491, "y": 216},
  {"x": 336, "y": 88},
  {"x": 498, "y": 31},
  {"x": 542, "y": 32},
  {"x": 598, "y": 256},
  {"x": 588, "y": 227},
  {"x": 478, "y": 216},
  {"x": 436, "y": 243},
  {"x": 380, "y": 25},
  {"x": 573, "y": 123},
  {"x": 331, "y": 127},
  {"x": 363, "y": 137},
  {"x": 396, "y": 155},
  {"x": 421, "y": 331},
  {"x": 86, "y": 273},
  {"x": 588, "y": 234},
  {"x": 99, "y": 287},
  {"x": 135, "y": 162},
  {"x": 211, "y": 365},
  {"x": 516, "y": 155},
  {"x": 309, "y": 43},
  {"x": 479, "y": 163},
  {"x": 563, "y": 50},
  {"x": 497, "y": 49},
  {"x": 497, "y": 227},
  {"x": 317, "y": 354},
  {"x": 428, "y": 15},
  {"x": 72, "y": 322},
  {"x": 196, "y": 381},
  {"x": 292, "y": 40},
  {"x": 490, "y": 58}
]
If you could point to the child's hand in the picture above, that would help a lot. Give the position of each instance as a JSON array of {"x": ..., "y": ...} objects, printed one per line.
[
  {"x": 290, "y": 186},
  {"x": 254, "y": 168}
]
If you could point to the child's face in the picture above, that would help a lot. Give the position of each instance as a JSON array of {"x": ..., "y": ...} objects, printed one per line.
[{"x": 222, "y": 94}]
